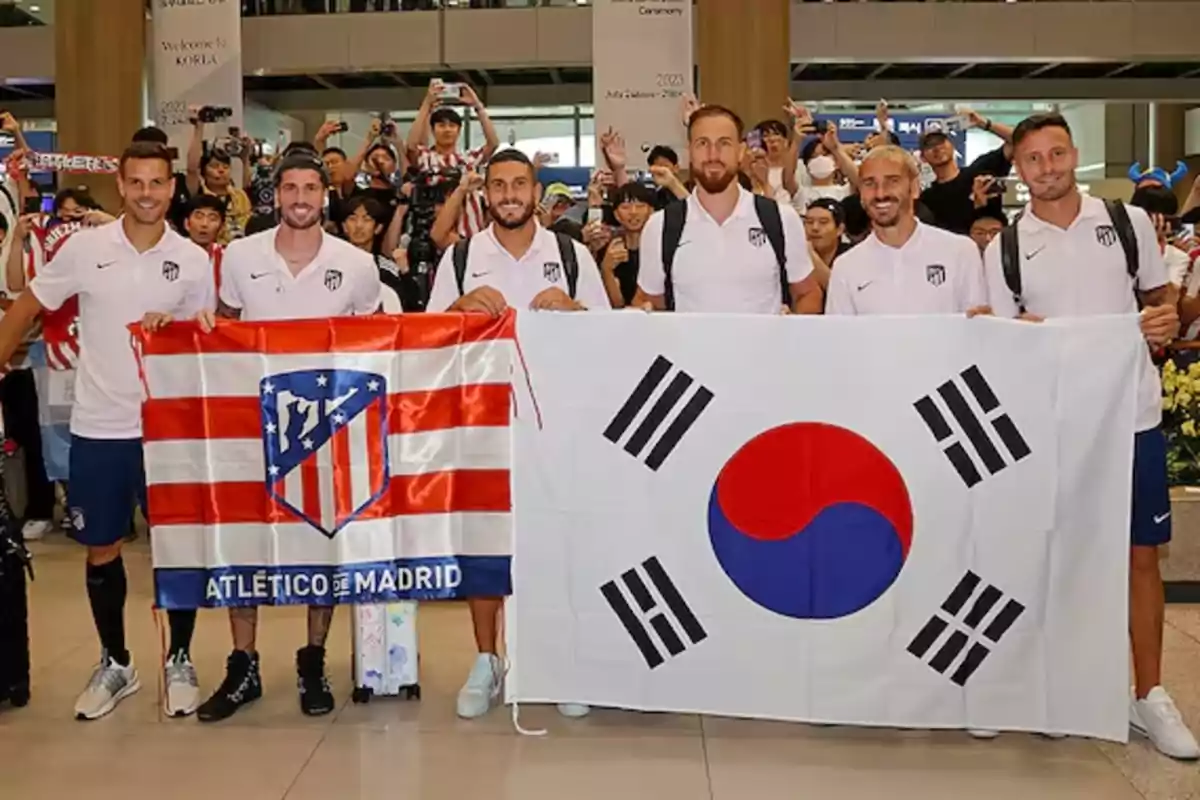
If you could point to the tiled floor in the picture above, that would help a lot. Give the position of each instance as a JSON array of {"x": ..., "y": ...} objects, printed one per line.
[{"x": 395, "y": 749}]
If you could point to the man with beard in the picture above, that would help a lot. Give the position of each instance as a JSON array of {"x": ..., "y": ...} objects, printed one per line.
[
  {"x": 1069, "y": 262},
  {"x": 904, "y": 266},
  {"x": 136, "y": 269},
  {"x": 730, "y": 252},
  {"x": 949, "y": 196},
  {"x": 293, "y": 271},
  {"x": 513, "y": 262}
]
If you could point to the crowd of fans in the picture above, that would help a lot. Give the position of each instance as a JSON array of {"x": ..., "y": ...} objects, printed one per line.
[{"x": 781, "y": 218}]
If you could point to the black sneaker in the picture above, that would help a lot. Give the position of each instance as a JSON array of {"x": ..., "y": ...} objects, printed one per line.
[
  {"x": 315, "y": 697},
  {"x": 242, "y": 685}
]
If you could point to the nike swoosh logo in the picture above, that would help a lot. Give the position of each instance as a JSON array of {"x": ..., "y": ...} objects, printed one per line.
[
  {"x": 1161, "y": 518},
  {"x": 256, "y": 275},
  {"x": 480, "y": 274},
  {"x": 105, "y": 264},
  {"x": 1034, "y": 253},
  {"x": 862, "y": 286}
]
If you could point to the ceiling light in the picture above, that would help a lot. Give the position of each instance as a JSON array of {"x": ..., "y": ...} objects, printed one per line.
[{"x": 35, "y": 9}]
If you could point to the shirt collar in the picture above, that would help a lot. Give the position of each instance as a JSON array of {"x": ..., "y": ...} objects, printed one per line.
[
  {"x": 744, "y": 207},
  {"x": 319, "y": 258},
  {"x": 162, "y": 244},
  {"x": 1089, "y": 208},
  {"x": 494, "y": 243},
  {"x": 875, "y": 241}
]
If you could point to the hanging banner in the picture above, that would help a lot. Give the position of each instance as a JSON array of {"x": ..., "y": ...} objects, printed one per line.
[
  {"x": 642, "y": 97},
  {"x": 197, "y": 61}
]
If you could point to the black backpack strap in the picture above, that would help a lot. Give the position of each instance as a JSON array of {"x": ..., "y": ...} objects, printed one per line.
[
  {"x": 1119, "y": 214},
  {"x": 570, "y": 262},
  {"x": 1010, "y": 264},
  {"x": 674, "y": 218},
  {"x": 772, "y": 221},
  {"x": 461, "y": 250}
]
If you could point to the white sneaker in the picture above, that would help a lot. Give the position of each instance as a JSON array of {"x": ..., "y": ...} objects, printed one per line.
[
  {"x": 574, "y": 710},
  {"x": 982, "y": 733},
  {"x": 482, "y": 688},
  {"x": 1159, "y": 720},
  {"x": 110, "y": 684},
  {"x": 35, "y": 529},
  {"x": 183, "y": 690}
]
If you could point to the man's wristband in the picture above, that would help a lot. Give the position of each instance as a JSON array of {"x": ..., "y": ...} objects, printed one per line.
[{"x": 987, "y": 125}]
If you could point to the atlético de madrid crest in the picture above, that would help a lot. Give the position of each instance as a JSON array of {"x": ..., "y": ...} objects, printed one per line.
[
  {"x": 551, "y": 270},
  {"x": 170, "y": 271},
  {"x": 935, "y": 274},
  {"x": 1106, "y": 235},
  {"x": 333, "y": 279}
]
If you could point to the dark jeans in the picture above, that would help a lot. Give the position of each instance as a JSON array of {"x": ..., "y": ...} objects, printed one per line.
[{"x": 19, "y": 402}]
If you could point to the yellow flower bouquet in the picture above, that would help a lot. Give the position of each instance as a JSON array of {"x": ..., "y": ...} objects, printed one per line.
[{"x": 1181, "y": 422}]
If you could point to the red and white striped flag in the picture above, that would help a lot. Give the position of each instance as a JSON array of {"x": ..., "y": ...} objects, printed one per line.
[{"x": 348, "y": 460}]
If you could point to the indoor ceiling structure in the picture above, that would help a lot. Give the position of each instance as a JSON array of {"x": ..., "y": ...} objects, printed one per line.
[{"x": 815, "y": 81}]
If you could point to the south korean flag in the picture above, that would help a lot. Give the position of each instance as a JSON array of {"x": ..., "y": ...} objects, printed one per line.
[{"x": 903, "y": 522}]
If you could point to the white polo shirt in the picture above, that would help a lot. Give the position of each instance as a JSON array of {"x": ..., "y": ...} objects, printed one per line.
[
  {"x": 728, "y": 267},
  {"x": 118, "y": 286},
  {"x": 934, "y": 272},
  {"x": 518, "y": 279},
  {"x": 341, "y": 281},
  {"x": 1081, "y": 271}
]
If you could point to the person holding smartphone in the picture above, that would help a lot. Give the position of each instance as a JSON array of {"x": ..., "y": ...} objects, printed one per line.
[
  {"x": 950, "y": 195},
  {"x": 632, "y": 206},
  {"x": 444, "y": 157}
]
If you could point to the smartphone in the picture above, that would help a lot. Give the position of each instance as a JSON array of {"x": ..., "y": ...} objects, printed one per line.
[
  {"x": 343, "y": 127},
  {"x": 595, "y": 214},
  {"x": 1187, "y": 230},
  {"x": 32, "y": 205},
  {"x": 754, "y": 140},
  {"x": 998, "y": 187},
  {"x": 450, "y": 91}
]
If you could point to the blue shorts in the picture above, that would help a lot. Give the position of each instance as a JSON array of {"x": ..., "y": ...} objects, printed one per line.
[
  {"x": 1150, "y": 520},
  {"x": 106, "y": 479}
]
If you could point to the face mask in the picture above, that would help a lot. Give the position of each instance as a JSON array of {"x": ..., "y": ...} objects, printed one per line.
[{"x": 821, "y": 167}]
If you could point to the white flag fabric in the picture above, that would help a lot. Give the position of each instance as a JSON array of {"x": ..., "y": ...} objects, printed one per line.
[{"x": 910, "y": 522}]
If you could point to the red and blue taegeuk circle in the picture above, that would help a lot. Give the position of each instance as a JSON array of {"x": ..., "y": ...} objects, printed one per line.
[{"x": 810, "y": 520}]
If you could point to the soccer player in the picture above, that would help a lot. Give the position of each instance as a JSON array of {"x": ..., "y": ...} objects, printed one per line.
[
  {"x": 293, "y": 271},
  {"x": 134, "y": 269}
]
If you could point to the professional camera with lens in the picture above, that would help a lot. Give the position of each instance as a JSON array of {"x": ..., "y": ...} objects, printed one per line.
[
  {"x": 210, "y": 114},
  {"x": 429, "y": 193}
]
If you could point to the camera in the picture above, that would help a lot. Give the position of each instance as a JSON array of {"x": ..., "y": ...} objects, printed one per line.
[
  {"x": 228, "y": 146},
  {"x": 208, "y": 114},
  {"x": 431, "y": 188},
  {"x": 429, "y": 191},
  {"x": 387, "y": 128}
]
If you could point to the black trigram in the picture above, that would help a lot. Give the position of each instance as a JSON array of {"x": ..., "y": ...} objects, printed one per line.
[
  {"x": 971, "y": 426},
  {"x": 648, "y": 611},
  {"x": 983, "y": 609},
  {"x": 666, "y": 404}
]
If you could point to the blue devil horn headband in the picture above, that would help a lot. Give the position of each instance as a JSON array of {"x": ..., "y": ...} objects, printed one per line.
[{"x": 1158, "y": 174}]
